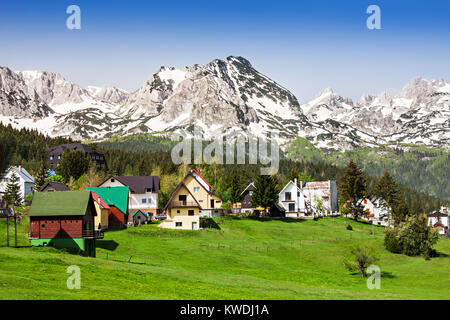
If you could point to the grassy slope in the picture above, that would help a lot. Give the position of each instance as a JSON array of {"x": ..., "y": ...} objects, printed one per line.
[{"x": 167, "y": 264}]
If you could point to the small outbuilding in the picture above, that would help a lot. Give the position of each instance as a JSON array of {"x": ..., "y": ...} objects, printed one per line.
[{"x": 140, "y": 217}]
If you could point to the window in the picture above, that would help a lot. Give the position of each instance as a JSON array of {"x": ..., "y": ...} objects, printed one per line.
[
  {"x": 200, "y": 200},
  {"x": 250, "y": 192},
  {"x": 59, "y": 157},
  {"x": 298, "y": 194},
  {"x": 190, "y": 212},
  {"x": 149, "y": 190},
  {"x": 144, "y": 200},
  {"x": 178, "y": 224},
  {"x": 149, "y": 200},
  {"x": 112, "y": 180},
  {"x": 43, "y": 226},
  {"x": 292, "y": 207},
  {"x": 178, "y": 211},
  {"x": 196, "y": 189},
  {"x": 217, "y": 201},
  {"x": 287, "y": 196},
  {"x": 51, "y": 158}
]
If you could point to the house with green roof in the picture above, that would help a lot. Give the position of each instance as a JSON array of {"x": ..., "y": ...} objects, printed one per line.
[
  {"x": 63, "y": 220},
  {"x": 117, "y": 198}
]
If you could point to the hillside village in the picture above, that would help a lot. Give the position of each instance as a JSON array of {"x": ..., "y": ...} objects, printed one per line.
[{"x": 74, "y": 219}]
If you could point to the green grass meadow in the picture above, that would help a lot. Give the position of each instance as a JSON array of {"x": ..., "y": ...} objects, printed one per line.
[{"x": 245, "y": 259}]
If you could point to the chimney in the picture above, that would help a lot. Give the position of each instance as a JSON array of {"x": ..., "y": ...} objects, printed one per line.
[{"x": 295, "y": 181}]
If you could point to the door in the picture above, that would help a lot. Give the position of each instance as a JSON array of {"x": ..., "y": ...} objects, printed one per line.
[
  {"x": 291, "y": 207},
  {"x": 182, "y": 198},
  {"x": 212, "y": 203},
  {"x": 194, "y": 226}
]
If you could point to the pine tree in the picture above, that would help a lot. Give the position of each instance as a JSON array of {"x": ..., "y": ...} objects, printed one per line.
[
  {"x": 266, "y": 192},
  {"x": 293, "y": 174},
  {"x": 73, "y": 164},
  {"x": 12, "y": 193},
  {"x": 41, "y": 178},
  {"x": 386, "y": 188},
  {"x": 352, "y": 188},
  {"x": 235, "y": 188}
]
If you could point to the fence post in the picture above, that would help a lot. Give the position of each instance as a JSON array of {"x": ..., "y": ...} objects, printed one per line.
[{"x": 7, "y": 229}]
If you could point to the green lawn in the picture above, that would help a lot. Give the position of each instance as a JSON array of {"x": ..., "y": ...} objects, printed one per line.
[{"x": 245, "y": 259}]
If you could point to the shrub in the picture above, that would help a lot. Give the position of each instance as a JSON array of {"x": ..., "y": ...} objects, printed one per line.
[
  {"x": 349, "y": 227},
  {"x": 391, "y": 243},
  {"x": 412, "y": 237},
  {"x": 360, "y": 259}
]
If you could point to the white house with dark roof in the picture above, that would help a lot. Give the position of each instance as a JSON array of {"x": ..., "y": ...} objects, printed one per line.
[
  {"x": 292, "y": 199},
  {"x": 143, "y": 191},
  {"x": 26, "y": 181}
]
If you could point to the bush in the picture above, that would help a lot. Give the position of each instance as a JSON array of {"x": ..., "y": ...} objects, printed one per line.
[
  {"x": 349, "y": 227},
  {"x": 391, "y": 243},
  {"x": 360, "y": 259},
  {"x": 412, "y": 237}
]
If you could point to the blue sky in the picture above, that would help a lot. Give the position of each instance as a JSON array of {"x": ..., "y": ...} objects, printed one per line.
[{"x": 305, "y": 46}]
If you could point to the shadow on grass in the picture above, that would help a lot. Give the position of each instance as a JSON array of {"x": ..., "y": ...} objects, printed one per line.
[
  {"x": 387, "y": 275},
  {"x": 291, "y": 220},
  {"x": 384, "y": 274},
  {"x": 441, "y": 255},
  {"x": 110, "y": 245}
]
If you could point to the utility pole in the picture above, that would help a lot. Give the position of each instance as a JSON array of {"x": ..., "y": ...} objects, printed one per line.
[{"x": 15, "y": 229}]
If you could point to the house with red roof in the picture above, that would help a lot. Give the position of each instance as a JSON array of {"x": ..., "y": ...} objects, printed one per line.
[
  {"x": 440, "y": 219},
  {"x": 103, "y": 211},
  {"x": 193, "y": 198}
]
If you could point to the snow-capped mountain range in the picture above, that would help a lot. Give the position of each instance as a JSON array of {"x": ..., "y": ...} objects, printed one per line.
[{"x": 220, "y": 97}]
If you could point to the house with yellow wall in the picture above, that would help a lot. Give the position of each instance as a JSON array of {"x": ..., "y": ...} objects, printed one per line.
[
  {"x": 205, "y": 194},
  {"x": 193, "y": 198},
  {"x": 182, "y": 210},
  {"x": 102, "y": 210}
]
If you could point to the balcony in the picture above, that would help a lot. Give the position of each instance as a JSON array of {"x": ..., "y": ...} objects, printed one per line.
[
  {"x": 93, "y": 234},
  {"x": 178, "y": 204}
]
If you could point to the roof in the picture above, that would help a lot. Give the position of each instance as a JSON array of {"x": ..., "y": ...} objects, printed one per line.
[
  {"x": 22, "y": 173},
  {"x": 290, "y": 182},
  {"x": 438, "y": 224},
  {"x": 69, "y": 203},
  {"x": 251, "y": 184},
  {"x": 178, "y": 187},
  {"x": 113, "y": 196},
  {"x": 197, "y": 172},
  {"x": 143, "y": 212},
  {"x": 139, "y": 184},
  {"x": 437, "y": 214},
  {"x": 99, "y": 200},
  {"x": 58, "y": 186},
  {"x": 316, "y": 185}
]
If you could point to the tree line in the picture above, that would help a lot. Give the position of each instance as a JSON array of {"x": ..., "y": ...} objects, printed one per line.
[{"x": 29, "y": 148}]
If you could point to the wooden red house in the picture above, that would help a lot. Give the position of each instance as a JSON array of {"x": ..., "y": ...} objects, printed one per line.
[{"x": 64, "y": 220}]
